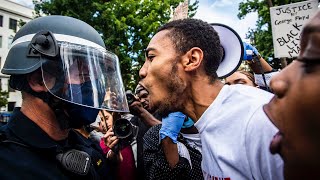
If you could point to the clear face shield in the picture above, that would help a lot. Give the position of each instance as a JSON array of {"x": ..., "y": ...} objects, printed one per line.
[{"x": 87, "y": 76}]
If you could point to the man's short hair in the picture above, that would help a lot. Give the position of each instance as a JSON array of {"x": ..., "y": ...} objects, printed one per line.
[{"x": 188, "y": 33}]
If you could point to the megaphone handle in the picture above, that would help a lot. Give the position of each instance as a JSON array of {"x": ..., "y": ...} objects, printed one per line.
[{"x": 257, "y": 60}]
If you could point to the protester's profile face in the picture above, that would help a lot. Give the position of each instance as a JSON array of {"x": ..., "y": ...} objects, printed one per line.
[
  {"x": 239, "y": 78},
  {"x": 144, "y": 98},
  {"x": 295, "y": 111},
  {"x": 161, "y": 74}
]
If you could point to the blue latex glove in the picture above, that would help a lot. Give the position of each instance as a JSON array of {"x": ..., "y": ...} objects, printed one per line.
[
  {"x": 249, "y": 51},
  {"x": 188, "y": 123},
  {"x": 171, "y": 126}
]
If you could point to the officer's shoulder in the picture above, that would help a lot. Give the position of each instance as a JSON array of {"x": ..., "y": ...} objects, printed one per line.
[{"x": 4, "y": 133}]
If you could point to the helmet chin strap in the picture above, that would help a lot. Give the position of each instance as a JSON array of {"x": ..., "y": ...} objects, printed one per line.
[
  {"x": 60, "y": 107},
  {"x": 57, "y": 107},
  {"x": 20, "y": 83}
]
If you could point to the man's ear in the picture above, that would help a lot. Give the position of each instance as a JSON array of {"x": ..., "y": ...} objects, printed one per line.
[
  {"x": 193, "y": 59},
  {"x": 36, "y": 82}
]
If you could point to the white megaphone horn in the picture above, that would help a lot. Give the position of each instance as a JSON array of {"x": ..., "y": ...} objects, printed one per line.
[{"x": 233, "y": 50}]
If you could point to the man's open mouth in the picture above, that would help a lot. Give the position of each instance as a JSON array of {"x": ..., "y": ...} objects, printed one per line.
[{"x": 143, "y": 88}]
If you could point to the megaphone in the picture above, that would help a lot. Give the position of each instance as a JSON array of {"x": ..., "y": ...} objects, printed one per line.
[{"x": 233, "y": 50}]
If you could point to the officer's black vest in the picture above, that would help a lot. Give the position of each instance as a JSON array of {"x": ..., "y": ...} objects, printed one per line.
[{"x": 68, "y": 159}]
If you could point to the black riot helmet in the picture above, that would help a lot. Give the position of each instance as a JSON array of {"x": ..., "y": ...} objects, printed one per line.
[{"x": 76, "y": 68}]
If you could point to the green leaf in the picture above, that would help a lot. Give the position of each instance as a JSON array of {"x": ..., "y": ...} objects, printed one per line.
[{"x": 125, "y": 25}]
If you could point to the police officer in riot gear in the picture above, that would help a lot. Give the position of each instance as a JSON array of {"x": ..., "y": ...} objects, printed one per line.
[{"x": 62, "y": 69}]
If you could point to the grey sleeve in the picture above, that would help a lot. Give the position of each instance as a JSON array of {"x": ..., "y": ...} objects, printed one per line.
[{"x": 259, "y": 78}]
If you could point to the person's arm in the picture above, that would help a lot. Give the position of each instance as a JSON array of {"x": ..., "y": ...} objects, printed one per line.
[
  {"x": 260, "y": 66},
  {"x": 147, "y": 118},
  {"x": 155, "y": 160},
  {"x": 257, "y": 64},
  {"x": 170, "y": 129},
  {"x": 263, "y": 73},
  {"x": 107, "y": 143},
  {"x": 261, "y": 69},
  {"x": 170, "y": 150}
]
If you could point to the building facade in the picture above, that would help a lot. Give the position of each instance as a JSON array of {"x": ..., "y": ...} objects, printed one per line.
[{"x": 11, "y": 15}]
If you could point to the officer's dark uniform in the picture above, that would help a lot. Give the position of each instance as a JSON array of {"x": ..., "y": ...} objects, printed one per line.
[{"x": 27, "y": 152}]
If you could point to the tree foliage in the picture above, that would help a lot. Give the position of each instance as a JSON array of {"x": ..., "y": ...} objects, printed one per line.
[
  {"x": 4, "y": 95},
  {"x": 262, "y": 35},
  {"x": 125, "y": 25}
]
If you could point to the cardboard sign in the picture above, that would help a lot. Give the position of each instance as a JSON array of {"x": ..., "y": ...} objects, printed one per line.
[
  {"x": 181, "y": 11},
  {"x": 287, "y": 22}
]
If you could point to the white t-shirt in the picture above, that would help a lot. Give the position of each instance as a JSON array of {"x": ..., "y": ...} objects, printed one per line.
[
  {"x": 193, "y": 140},
  {"x": 236, "y": 134},
  {"x": 259, "y": 78}
]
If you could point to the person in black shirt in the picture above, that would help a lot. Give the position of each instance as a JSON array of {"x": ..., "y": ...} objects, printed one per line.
[
  {"x": 62, "y": 69},
  {"x": 154, "y": 161}
]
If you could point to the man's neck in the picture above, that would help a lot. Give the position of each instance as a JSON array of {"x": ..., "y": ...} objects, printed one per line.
[
  {"x": 203, "y": 93},
  {"x": 40, "y": 113}
]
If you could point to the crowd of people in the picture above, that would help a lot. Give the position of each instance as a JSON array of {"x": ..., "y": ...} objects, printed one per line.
[{"x": 182, "y": 121}]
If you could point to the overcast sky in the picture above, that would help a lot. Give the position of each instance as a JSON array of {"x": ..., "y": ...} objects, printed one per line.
[
  {"x": 225, "y": 12},
  {"x": 212, "y": 11}
]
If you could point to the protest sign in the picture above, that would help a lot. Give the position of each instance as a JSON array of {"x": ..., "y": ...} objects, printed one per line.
[
  {"x": 287, "y": 22},
  {"x": 181, "y": 11}
]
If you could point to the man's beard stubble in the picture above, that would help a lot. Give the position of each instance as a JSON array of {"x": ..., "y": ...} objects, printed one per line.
[{"x": 176, "y": 87}]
